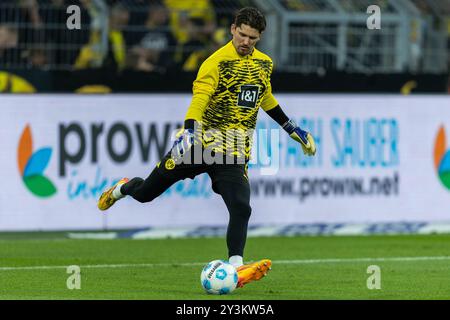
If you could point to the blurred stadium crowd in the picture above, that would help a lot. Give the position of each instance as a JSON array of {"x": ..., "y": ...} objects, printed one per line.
[
  {"x": 171, "y": 36},
  {"x": 144, "y": 35}
]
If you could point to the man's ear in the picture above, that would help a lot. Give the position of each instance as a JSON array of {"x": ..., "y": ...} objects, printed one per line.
[
  {"x": 260, "y": 35},
  {"x": 233, "y": 28}
]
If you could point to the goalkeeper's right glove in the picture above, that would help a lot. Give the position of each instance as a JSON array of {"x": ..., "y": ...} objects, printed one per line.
[
  {"x": 305, "y": 138},
  {"x": 183, "y": 144}
]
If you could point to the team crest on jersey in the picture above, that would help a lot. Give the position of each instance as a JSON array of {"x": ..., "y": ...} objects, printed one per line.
[
  {"x": 170, "y": 164},
  {"x": 248, "y": 96}
]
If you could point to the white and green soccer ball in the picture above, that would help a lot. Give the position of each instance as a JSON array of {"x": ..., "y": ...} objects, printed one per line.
[{"x": 219, "y": 277}]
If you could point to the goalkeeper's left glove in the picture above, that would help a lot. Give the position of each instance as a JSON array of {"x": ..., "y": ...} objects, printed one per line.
[{"x": 305, "y": 138}]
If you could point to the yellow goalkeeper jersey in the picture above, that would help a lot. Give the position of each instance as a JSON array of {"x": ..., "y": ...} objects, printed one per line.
[{"x": 227, "y": 94}]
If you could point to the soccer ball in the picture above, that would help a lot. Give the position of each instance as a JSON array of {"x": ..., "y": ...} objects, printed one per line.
[{"x": 219, "y": 277}]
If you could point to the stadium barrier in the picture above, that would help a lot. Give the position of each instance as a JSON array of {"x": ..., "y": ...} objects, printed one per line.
[{"x": 381, "y": 159}]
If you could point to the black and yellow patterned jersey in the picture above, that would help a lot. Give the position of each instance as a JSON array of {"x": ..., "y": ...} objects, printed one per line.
[{"x": 227, "y": 94}]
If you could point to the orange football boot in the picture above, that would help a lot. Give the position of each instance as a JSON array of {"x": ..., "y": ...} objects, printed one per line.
[
  {"x": 106, "y": 199},
  {"x": 254, "y": 271}
]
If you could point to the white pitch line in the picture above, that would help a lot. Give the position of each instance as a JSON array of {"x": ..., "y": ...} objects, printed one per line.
[
  {"x": 401, "y": 259},
  {"x": 275, "y": 262}
]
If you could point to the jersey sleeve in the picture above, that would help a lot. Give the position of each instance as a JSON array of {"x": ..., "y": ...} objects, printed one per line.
[
  {"x": 269, "y": 102},
  {"x": 203, "y": 88}
]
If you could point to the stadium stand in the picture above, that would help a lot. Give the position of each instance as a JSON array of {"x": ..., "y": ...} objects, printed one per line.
[
  {"x": 171, "y": 36},
  {"x": 34, "y": 33}
]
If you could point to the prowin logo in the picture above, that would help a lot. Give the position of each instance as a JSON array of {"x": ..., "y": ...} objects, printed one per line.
[
  {"x": 442, "y": 158},
  {"x": 32, "y": 166}
]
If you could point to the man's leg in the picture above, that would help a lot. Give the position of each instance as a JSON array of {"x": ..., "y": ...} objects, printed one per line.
[
  {"x": 150, "y": 188},
  {"x": 237, "y": 199},
  {"x": 231, "y": 182},
  {"x": 164, "y": 175}
]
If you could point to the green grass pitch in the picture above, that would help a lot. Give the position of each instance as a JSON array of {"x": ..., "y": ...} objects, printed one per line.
[{"x": 33, "y": 266}]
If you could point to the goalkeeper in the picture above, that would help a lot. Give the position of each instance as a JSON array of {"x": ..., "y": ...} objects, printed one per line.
[{"x": 230, "y": 88}]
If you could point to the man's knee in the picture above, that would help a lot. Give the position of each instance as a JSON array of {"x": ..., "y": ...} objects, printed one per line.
[
  {"x": 241, "y": 207},
  {"x": 236, "y": 197}
]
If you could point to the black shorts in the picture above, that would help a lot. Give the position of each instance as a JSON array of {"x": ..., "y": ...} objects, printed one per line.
[{"x": 231, "y": 172}]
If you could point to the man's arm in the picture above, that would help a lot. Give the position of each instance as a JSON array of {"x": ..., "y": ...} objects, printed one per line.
[
  {"x": 203, "y": 88},
  {"x": 272, "y": 108},
  {"x": 303, "y": 137}
]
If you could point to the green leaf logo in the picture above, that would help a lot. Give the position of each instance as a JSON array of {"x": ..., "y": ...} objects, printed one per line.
[{"x": 32, "y": 166}]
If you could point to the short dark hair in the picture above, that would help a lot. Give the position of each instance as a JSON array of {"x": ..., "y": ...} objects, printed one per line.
[{"x": 251, "y": 17}]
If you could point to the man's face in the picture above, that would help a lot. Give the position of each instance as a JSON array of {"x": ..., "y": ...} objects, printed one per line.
[{"x": 244, "y": 38}]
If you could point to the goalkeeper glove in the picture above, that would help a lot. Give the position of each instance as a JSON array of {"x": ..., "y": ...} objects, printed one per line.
[
  {"x": 183, "y": 144},
  {"x": 305, "y": 138}
]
